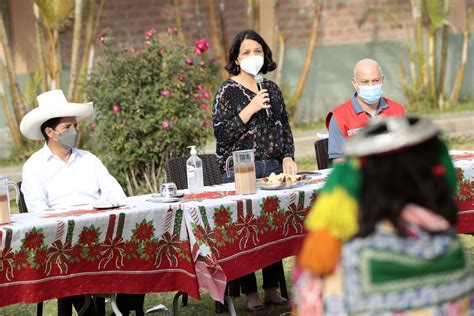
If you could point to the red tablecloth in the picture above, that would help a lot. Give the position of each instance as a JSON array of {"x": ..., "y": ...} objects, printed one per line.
[
  {"x": 151, "y": 247},
  {"x": 138, "y": 249},
  {"x": 240, "y": 234},
  {"x": 197, "y": 244},
  {"x": 464, "y": 164}
]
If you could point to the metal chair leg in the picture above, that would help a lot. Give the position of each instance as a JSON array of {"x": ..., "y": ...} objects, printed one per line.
[
  {"x": 184, "y": 300},
  {"x": 39, "y": 309},
  {"x": 176, "y": 303},
  {"x": 113, "y": 302},
  {"x": 87, "y": 301},
  {"x": 282, "y": 281},
  {"x": 230, "y": 305}
]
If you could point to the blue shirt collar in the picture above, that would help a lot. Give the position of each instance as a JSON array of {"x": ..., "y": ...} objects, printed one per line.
[{"x": 358, "y": 109}]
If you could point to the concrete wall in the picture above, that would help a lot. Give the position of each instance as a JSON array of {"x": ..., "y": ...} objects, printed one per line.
[{"x": 329, "y": 80}]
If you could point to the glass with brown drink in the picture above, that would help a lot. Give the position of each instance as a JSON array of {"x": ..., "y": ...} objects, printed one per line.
[{"x": 244, "y": 171}]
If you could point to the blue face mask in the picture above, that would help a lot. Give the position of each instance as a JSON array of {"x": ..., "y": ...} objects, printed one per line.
[{"x": 370, "y": 94}]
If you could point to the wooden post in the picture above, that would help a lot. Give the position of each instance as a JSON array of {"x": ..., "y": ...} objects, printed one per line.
[{"x": 267, "y": 22}]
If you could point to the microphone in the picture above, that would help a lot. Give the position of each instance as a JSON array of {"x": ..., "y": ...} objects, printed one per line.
[{"x": 259, "y": 81}]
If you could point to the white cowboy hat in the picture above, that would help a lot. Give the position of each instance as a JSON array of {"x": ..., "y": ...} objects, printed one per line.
[{"x": 51, "y": 104}]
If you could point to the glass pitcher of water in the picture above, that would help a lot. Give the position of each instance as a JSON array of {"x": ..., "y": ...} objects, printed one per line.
[
  {"x": 5, "y": 199},
  {"x": 244, "y": 171}
]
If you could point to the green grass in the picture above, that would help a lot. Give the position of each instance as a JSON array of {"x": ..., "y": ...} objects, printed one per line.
[
  {"x": 460, "y": 143},
  {"x": 306, "y": 164},
  {"x": 203, "y": 307},
  {"x": 308, "y": 126},
  {"x": 465, "y": 106},
  {"x": 4, "y": 162}
]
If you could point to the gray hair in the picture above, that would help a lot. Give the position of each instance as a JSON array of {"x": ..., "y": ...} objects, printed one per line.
[{"x": 367, "y": 61}]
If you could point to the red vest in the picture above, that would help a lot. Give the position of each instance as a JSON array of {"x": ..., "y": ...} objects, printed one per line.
[{"x": 350, "y": 122}]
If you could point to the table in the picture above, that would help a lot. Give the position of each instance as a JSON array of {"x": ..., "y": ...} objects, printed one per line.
[
  {"x": 141, "y": 248},
  {"x": 197, "y": 244},
  {"x": 464, "y": 165},
  {"x": 244, "y": 233}
]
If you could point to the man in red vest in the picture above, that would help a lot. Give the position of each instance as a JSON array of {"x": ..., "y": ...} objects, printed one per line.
[{"x": 366, "y": 103}]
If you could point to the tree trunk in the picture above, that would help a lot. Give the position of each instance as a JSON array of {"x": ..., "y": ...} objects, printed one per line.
[
  {"x": 281, "y": 55},
  {"x": 58, "y": 59},
  {"x": 76, "y": 39},
  {"x": 215, "y": 39},
  {"x": 454, "y": 98},
  {"x": 197, "y": 12},
  {"x": 416, "y": 12},
  {"x": 39, "y": 41},
  {"x": 91, "y": 31},
  {"x": 17, "y": 100},
  {"x": 432, "y": 61},
  {"x": 444, "y": 57},
  {"x": 177, "y": 14},
  {"x": 11, "y": 121},
  {"x": 250, "y": 14},
  {"x": 309, "y": 54},
  {"x": 225, "y": 45}
]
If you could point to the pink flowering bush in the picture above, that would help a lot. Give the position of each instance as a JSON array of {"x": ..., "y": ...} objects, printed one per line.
[
  {"x": 201, "y": 47},
  {"x": 150, "y": 103}
]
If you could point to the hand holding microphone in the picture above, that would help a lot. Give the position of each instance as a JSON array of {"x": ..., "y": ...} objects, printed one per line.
[
  {"x": 260, "y": 101},
  {"x": 259, "y": 81}
]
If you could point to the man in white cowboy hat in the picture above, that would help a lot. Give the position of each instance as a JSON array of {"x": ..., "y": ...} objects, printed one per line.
[{"x": 60, "y": 175}]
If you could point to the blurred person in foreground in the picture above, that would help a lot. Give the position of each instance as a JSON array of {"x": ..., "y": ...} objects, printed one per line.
[
  {"x": 60, "y": 175},
  {"x": 246, "y": 118},
  {"x": 367, "y": 102},
  {"x": 382, "y": 233}
]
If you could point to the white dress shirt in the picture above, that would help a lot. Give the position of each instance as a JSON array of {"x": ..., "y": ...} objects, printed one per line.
[{"x": 49, "y": 182}]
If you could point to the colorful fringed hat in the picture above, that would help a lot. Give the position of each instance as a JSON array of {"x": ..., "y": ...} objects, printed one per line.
[
  {"x": 334, "y": 217},
  {"x": 390, "y": 133}
]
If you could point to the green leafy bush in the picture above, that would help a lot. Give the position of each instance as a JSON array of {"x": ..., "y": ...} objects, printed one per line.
[{"x": 150, "y": 103}]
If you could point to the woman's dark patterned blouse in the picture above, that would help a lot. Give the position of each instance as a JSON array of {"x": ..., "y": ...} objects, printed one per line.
[{"x": 270, "y": 136}]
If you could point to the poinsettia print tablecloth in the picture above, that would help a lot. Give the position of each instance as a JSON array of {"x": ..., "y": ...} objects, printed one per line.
[
  {"x": 239, "y": 234},
  {"x": 464, "y": 165},
  {"x": 140, "y": 248}
]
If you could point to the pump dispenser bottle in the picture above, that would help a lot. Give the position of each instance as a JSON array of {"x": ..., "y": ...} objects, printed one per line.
[{"x": 194, "y": 172}]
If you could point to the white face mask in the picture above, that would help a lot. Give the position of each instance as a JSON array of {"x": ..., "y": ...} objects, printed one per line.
[{"x": 252, "y": 64}]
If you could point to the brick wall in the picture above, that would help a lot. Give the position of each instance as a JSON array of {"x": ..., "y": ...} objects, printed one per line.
[
  {"x": 339, "y": 22},
  {"x": 127, "y": 20}
]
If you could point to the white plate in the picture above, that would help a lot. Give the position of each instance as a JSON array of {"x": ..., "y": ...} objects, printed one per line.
[
  {"x": 159, "y": 199},
  {"x": 158, "y": 195},
  {"x": 105, "y": 207},
  {"x": 279, "y": 186}
]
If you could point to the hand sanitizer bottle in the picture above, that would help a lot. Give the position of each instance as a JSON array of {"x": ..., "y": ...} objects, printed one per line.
[{"x": 194, "y": 172}]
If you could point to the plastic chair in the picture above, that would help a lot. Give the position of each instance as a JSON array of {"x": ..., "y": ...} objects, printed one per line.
[
  {"x": 175, "y": 169},
  {"x": 322, "y": 156}
]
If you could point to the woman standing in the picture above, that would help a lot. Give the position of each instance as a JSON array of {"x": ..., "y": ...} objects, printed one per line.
[{"x": 246, "y": 118}]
